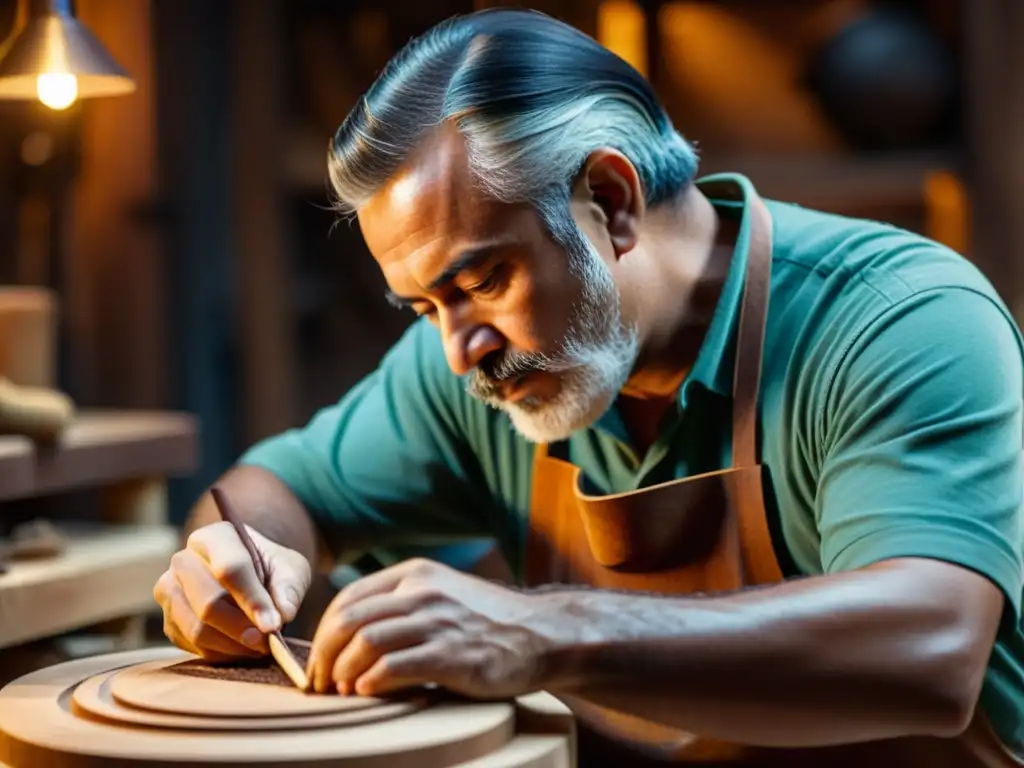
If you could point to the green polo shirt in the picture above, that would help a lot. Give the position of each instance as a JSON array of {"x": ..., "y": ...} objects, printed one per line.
[{"x": 891, "y": 424}]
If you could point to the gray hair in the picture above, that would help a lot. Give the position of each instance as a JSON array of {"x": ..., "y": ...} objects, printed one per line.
[{"x": 532, "y": 96}]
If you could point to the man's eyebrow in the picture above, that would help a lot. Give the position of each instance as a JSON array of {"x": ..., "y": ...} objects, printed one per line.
[{"x": 470, "y": 259}]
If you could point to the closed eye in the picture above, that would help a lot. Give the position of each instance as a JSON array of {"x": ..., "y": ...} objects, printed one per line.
[{"x": 490, "y": 285}]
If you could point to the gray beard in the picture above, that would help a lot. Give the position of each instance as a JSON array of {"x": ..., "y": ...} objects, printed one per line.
[{"x": 593, "y": 361}]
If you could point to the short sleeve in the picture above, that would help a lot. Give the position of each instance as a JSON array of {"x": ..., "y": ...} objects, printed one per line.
[
  {"x": 389, "y": 464},
  {"x": 922, "y": 441}
]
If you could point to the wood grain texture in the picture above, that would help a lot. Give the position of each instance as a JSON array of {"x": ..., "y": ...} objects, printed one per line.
[
  {"x": 263, "y": 670},
  {"x": 92, "y": 698},
  {"x": 42, "y": 723},
  {"x": 158, "y": 687}
]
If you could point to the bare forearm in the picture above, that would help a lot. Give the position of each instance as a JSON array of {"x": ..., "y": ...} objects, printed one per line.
[
  {"x": 825, "y": 660},
  {"x": 264, "y": 503}
]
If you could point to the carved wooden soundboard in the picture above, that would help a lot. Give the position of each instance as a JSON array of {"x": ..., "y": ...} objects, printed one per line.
[{"x": 163, "y": 707}]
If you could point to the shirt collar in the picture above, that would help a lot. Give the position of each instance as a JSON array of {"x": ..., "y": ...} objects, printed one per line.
[{"x": 713, "y": 368}]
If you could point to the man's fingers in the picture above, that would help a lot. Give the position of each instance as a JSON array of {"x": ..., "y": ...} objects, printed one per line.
[
  {"x": 419, "y": 665},
  {"x": 165, "y": 587},
  {"x": 287, "y": 595},
  {"x": 360, "y": 603},
  {"x": 340, "y": 624},
  {"x": 374, "y": 641},
  {"x": 386, "y": 580},
  {"x": 179, "y": 641},
  {"x": 198, "y": 637},
  {"x": 213, "y": 604},
  {"x": 229, "y": 561},
  {"x": 377, "y": 583}
]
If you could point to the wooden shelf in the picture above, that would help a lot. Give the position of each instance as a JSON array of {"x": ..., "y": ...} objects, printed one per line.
[
  {"x": 106, "y": 572},
  {"x": 100, "y": 448}
]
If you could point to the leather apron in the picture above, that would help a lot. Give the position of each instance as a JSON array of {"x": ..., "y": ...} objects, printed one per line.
[{"x": 707, "y": 533}]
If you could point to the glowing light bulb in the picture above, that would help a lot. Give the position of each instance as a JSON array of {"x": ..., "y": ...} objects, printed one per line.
[{"x": 57, "y": 90}]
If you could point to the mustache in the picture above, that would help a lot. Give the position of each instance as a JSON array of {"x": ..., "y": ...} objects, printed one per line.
[{"x": 499, "y": 367}]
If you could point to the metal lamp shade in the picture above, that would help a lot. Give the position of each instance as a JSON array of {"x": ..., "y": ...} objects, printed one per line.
[{"x": 57, "y": 43}]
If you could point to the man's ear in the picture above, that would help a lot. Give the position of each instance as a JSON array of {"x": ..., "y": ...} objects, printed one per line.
[{"x": 608, "y": 188}]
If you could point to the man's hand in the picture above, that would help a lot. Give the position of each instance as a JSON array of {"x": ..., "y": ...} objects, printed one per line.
[
  {"x": 212, "y": 601},
  {"x": 422, "y": 622}
]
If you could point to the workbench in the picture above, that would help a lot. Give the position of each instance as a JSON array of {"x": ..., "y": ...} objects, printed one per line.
[{"x": 109, "y": 567}]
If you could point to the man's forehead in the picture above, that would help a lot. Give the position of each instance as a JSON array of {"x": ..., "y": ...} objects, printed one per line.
[{"x": 432, "y": 194}]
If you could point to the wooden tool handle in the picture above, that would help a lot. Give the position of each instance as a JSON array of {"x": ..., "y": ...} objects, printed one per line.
[
  {"x": 228, "y": 513},
  {"x": 278, "y": 648}
]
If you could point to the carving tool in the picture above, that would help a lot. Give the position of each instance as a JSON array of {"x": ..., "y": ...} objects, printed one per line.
[{"x": 278, "y": 648}]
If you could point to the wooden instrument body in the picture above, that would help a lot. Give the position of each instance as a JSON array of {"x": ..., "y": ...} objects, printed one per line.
[{"x": 100, "y": 711}]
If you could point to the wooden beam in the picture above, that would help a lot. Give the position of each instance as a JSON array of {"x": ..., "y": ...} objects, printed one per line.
[
  {"x": 994, "y": 89},
  {"x": 195, "y": 145},
  {"x": 259, "y": 219},
  {"x": 114, "y": 269}
]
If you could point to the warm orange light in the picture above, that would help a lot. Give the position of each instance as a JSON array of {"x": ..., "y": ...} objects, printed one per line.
[
  {"x": 622, "y": 29},
  {"x": 947, "y": 210}
]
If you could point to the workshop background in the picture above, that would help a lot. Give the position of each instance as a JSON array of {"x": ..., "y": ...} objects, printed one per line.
[{"x": 168, "y": 263}]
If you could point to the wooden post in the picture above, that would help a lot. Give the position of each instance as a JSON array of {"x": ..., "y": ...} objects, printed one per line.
[
  {"x": 262, "y": 256},
  {"x": 195, "y": 146},
  {"x": 115, "y": 271},
  {"x": 994, "y": 89}
]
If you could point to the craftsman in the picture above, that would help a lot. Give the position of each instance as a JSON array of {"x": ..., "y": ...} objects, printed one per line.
[{"x": 847, "y": 590}]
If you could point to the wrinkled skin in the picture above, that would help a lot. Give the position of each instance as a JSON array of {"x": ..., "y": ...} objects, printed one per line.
[{"x": 422, "y": 622}]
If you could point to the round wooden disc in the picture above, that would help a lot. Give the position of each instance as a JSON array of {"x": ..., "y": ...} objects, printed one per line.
[
  {"x": 39, "y": 726},
  {"x": 93, "y": 698},
  {"x": 157, "y": 687}
]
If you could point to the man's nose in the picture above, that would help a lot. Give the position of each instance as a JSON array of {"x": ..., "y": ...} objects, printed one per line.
[{"x": 467, "y": 343}]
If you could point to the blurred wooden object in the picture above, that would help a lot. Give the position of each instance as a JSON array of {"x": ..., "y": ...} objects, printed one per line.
[
  {"x": 622, "y": 29},
  {"x": 39, "y": 413},
  {"x": 109, "y": 567},
  {"x": 103, "y": 574},
  {"x": 114, "y": 269},
  {"x": 345, "y": 59},
  {"x": 731, "y": 76},
  {"x": 843, "y": 182},
  {"x": 259, "y": 219},
  {"x": 947, "y": 210},
  {"x": 27, "y": 334},
  {"x": 994, "y": 88},
  {"x": 29, "y": 402},
  {"x": 103, "y": 449}
]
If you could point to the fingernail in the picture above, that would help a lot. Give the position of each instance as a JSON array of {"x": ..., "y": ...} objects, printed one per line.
[
  {"x": 268, "y": 620},
  {"x": 253, "y": 638}
]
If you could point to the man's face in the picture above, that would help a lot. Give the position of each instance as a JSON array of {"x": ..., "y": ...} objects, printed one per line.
[{"x": 537, "y": 329}]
